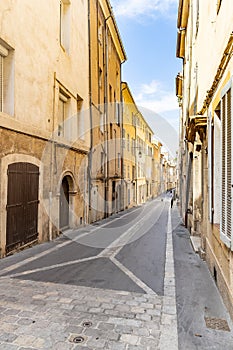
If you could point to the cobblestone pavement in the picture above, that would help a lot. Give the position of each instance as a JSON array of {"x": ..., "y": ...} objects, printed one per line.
[
  {"x": 46, "y": 315},
  {"x": 37, "y": 315}
]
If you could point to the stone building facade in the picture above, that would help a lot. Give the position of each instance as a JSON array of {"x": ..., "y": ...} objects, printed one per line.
[
  {"x": 105, "y": 159},
  {"x": 204, "y": 89},
  {"x": 43, "y": 116}
]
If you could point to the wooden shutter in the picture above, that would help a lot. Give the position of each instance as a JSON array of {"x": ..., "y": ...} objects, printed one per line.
[
  {"x": 210, "y": 161},
  {"x": 228, "y": 165},
  {"x": 226, "y": 189}
]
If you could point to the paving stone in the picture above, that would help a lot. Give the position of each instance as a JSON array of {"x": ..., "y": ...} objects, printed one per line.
[
  {"x": 143, "y": 317},
  {"x": 106, "y": 326},
  {"x": 8, "y": 337},
  {"x": 97, "y": 343},
  {"x": 6, "y": 346},
  {"x": 116, "y": 346},
  {"x": 130, "y": 339},
  {"x": 138, "y": 310},
  {"x": 152, "y": 342},
  {"x": 137, "y": 347},
  {"x": 11, "y": 312},
  {"x": 23, "y": 340}
]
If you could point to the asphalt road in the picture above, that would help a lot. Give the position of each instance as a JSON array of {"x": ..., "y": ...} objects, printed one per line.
[{"x": 122, "y": 253}]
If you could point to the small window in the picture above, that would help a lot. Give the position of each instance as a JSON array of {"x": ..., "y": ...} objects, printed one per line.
[
  {"x": 100, "y": 33},
  {"x": 100, "y": 78},
  {"x": 65, "y": 24},
  {"x": 119, "y": 160},
  {"x": 118, "y": 112},
  {"x": 6, "y": 80},
  {"x": 102, "y": 123},
  {"x": 123, "y": 138},
  {"x": 111, "y": 129},
  {"x": 63, "y": 114},
  {"x": 128, "y": 143},
  {"x": 102, "y": 162}
]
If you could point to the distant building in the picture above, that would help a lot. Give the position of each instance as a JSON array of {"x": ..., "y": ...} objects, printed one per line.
[
  {"x": 156, "y": 169},
  {"x": 105, "y": 159}
]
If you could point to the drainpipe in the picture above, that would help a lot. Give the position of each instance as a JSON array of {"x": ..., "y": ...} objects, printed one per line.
[
  {"x": 106, "y": 180},
  {"x": 122, "y": 149},
  {"x": 187, "y": 113},
  {"x": 51, "y": 163},
  {"x": 91, "y": 116}
]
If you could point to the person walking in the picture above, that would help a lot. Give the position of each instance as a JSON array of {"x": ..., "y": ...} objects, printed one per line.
[{"x": 171, "y": 199}]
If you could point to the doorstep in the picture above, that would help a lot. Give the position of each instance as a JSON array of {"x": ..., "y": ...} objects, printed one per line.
[{"x": 196, "y": 243}]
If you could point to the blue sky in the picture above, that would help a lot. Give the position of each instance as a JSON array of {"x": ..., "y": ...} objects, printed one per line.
[{"x": 148, "y": 31}]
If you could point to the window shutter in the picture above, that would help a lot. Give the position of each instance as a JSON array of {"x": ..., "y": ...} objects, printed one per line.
[
  {"x": 226, "y": 189},
  {"x": 210, "y": 161},
  {"x": 228, "y": 161}
]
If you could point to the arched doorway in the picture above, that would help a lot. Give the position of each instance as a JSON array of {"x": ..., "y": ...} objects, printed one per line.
[{"x": 64, "y": 203}]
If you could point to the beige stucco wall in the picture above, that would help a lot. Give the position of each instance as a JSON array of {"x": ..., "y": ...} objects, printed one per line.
[
  {"x": 31, "y": 28},
  {"x": 41, "y": 67},
  {"x": 204, "y": 52}
]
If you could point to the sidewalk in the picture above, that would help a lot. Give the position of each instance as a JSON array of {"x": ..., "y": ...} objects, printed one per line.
[{"x": 200, "y": 309}]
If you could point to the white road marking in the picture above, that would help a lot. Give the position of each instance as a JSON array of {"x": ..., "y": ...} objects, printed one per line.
[
  {"x": 116, "y": 246},
  {"x": 57, "y": 247},
  {"x": 135, "y": 279},
  {"x": 169, "y": 333},
  {"x": 46, "y": 268}
]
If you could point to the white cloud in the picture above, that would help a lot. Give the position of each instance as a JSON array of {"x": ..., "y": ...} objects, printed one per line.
[
  {"x": 155, "y": 98},
  {"x": 135, "y": 8},
  {"x": 151, "y": 88}
]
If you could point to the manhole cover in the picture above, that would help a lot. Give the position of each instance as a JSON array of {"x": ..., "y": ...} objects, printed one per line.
[
  {"x": 78, "y": 340},
  {"x": 217, "y": 323},
  {"x": 87, "y": 324}
]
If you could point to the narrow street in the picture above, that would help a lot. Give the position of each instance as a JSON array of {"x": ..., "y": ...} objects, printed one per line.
[{"x": 131, "y": 281}]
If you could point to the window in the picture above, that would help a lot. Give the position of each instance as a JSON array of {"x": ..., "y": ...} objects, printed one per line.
[
  {"x": 102, "y": 162},
  {"x": 226, "y": 171},
  {"x": 6, "y": 80},
  {"x": 65, "y": 24},
  {"x": 119, "y": 160},
  {"x": 111, "y": 131},
  {"x": 214, "y": 158},
  {"x": 123, "y": 138},
  {"x": 110, "y": 93},
  {"x": 63, "y": 115},
  {"x": 100, "y": 33},
  {"x": 128, "y": 143},
  {"x": 102, "y": 123},
  {"x": 117, "y": 112},
  {"x": 133, "y": 172},
  {"x": 100, "y": 78}
]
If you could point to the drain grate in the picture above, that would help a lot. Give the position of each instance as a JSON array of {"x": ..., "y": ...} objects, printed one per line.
[
  {"x": 217, "y": 323},
  {"x": 87, "y": 324},
  {"x": 78, "y": 340}
]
